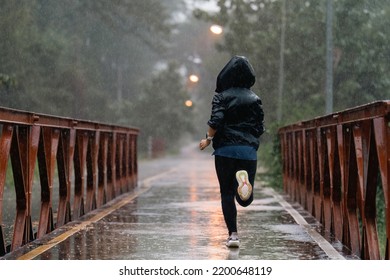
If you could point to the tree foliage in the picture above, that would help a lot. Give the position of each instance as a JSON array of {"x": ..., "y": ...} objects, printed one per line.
[
  {"x": 363, "y": 44},
  {"x": 361, "y": 51},
  {"x": 95, "y": 59},
  {"x": 161, "y": 110},
  {"x": 71, "y": 57}
]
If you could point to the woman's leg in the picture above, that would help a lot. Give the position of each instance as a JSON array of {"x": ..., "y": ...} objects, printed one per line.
[{"x": 225, "y": 169}]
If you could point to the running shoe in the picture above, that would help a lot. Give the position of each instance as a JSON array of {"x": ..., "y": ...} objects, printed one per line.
[
  {"x": 244, "y": 188},
  {"x": 233, "y": 241}
]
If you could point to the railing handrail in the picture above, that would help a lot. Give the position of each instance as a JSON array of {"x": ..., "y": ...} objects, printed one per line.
[
  {"x": 14, "y": 116},
  {"x": 95, "y": 163},
  {"x": 371, "y": 110},
  {"x": 332, "y": 166}
]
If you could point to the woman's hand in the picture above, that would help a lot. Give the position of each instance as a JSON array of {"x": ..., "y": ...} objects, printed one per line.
[{"x": 204, "y": 143}]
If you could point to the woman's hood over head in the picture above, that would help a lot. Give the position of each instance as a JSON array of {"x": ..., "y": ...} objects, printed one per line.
[{"x": 238, "y": 72}]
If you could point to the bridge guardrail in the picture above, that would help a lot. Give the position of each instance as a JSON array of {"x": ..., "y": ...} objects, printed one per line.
[
  {"x": 335, "y": 165},
  {"x": 88, "y": 163}
]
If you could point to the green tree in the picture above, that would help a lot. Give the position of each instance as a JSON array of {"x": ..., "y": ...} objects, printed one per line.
[
  {"x": 160, "y": 112},
  {"x": 75, "y": 58},
  {"x": 362, "y": 45},
  {"x": 252, "y": 28}
]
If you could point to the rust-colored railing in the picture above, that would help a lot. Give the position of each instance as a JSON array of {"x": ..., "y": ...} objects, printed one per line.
[
  {"x": 335, "y": 165},
  {"x": 95, "y": 163}
]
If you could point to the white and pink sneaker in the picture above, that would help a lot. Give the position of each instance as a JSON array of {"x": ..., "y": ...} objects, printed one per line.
[{"x": 244, "y": 188}]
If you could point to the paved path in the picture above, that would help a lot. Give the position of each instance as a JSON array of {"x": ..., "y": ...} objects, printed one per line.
[{"x": 175, "y": 214}]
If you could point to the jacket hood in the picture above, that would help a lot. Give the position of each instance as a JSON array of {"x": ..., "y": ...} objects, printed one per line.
[{"x": 238, "y": 72}]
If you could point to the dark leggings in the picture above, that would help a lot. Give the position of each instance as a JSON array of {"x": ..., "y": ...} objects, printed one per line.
[{"x": 226, "y": 169}]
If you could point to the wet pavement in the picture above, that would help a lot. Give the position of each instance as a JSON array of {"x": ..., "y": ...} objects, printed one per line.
[{"x": 175, "y": 214}]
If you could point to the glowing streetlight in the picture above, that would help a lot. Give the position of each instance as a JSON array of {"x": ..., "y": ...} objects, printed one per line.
[
  {"x": 188, "y": 103},
  {"x": 194, "y": 78},
  {"x": 216, "y": 29}
]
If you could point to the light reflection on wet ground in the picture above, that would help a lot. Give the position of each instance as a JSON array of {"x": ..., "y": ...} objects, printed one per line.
[{"x": 180, "y": 218}]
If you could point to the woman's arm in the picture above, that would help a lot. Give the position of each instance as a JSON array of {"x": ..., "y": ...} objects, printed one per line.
[{"x": 206, "y": 141}]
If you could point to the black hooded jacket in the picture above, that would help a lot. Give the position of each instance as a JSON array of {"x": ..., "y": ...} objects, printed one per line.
[{"x": 237, "y": 113}]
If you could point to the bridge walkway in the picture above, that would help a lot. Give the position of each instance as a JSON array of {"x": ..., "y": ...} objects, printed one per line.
[{"x": 175, "y": 214}]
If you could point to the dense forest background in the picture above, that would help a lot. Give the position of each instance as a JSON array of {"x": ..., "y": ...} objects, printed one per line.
[{"x": 128, "y": 62}]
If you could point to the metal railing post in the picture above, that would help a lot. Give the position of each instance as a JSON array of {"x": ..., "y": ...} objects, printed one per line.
[
  {"x": 333, "y": 165},
  {"x": 82, "y": 165}
]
